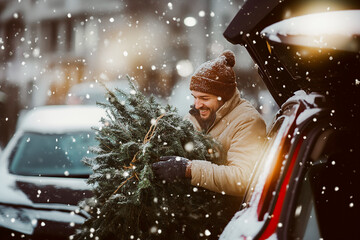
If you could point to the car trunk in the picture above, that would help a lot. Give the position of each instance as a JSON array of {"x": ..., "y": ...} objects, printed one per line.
[
  {"x": 283, "y": 64},
  {"x": 315, "y": 133}
]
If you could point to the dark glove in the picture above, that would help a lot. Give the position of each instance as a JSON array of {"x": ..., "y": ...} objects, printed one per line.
[{"x": 170, "y": 168}]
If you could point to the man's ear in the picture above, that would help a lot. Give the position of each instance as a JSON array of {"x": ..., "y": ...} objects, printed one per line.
[{"x": 221, "y": 100}]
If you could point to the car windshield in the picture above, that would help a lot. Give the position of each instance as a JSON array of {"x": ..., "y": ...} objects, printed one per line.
[{"x": 57, "y": 155}]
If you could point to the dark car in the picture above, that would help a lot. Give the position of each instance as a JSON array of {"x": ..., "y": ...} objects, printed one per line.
[
  {"x": 42, "y": 177},
  {"x": 89, "y": 93},
  {"x": 306, "y": 184}
]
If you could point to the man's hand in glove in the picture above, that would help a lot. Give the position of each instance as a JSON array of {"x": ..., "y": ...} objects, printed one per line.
[{"x": 171, "y": 168}]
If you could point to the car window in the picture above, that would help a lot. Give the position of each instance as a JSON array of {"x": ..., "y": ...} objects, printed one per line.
[
  {"x": 327, "y": 203},
  {"x": 305, "y": 219},
  {"x": 52, "y": 154}
]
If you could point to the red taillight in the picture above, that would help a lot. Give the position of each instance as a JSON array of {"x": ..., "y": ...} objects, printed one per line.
[
  {"x": 272, "y": 225},
  {"x": 271, "y": 181},
  {"x": 269, "y": 187}
]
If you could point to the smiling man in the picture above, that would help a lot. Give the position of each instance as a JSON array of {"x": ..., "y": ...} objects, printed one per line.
[
  {"x": 206, "y": 105},
  {"x": 219, "y": 111}
]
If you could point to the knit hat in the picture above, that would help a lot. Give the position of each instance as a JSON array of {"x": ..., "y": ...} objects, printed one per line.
[{"x": 216, "y": 76}]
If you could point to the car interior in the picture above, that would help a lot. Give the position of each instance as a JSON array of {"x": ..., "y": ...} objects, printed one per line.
[{"x": 331, "y": 182}]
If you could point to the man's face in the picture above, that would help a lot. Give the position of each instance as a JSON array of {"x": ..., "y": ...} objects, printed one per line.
[{"x": 206, "y": 103}]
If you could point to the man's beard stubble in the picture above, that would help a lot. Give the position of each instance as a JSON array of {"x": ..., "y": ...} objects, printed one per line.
[{"x": 205, "y": 124}]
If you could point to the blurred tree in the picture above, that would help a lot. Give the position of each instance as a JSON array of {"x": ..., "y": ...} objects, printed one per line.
[{"x": 9, "y": 111}]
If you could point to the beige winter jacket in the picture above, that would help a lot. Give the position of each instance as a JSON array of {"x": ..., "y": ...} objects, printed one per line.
[{"x": 241, "y": 130}]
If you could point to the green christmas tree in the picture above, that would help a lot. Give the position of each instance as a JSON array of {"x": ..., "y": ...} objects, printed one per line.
[{"x": 129, "y": 202}]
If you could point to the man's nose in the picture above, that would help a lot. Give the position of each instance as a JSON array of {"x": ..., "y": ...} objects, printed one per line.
[{"x": 198, "y": 103}]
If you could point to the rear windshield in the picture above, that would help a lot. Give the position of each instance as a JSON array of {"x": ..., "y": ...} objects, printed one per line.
[{"x": 58, "y": 155}]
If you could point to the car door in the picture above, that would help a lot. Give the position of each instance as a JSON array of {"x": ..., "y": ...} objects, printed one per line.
[
  {"x": 305, "y": 184},
  {"x": 286, "y": 141}
]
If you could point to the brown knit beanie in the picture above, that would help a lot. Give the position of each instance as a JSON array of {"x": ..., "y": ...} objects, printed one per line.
[{"x": 216, "y": 76}]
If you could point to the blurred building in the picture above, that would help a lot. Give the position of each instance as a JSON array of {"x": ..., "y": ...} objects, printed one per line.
[{"x": 47, "y": 46}]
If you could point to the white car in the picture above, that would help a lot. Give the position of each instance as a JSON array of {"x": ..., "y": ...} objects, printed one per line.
[{"x": 42, "y": 177}]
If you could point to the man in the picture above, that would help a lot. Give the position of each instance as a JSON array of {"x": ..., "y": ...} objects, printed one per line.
[{"x": 221, "y": 112}]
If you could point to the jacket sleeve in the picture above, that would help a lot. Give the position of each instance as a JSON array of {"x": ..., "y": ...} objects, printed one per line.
[{"x": 244, "y": 150}]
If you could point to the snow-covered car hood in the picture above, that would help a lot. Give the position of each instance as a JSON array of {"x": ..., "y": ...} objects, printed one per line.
[
  {"x": 29, "y": 203},
  {"x": 29, "y": 191}
]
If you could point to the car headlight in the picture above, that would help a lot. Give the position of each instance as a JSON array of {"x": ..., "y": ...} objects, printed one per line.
[
  {"x": 17, "y": 219},
  {"x": 30, "y": 220}
]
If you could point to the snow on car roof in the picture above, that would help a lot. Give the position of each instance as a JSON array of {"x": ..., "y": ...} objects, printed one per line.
[
  {"x": 335, "y": 30},
  {"x": 61, "y": 118}
]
